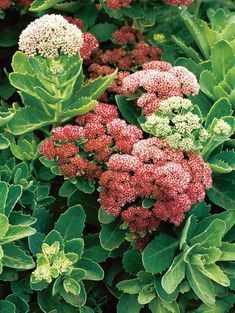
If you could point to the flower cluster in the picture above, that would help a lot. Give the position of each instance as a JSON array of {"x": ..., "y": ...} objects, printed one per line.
[
  {"x": 24, "y": 3},
  {"x": 134, "y": 51},
  {"x": 80, "y": 150},
  {"x": 49, "y": 35},
  {"x": 178, "y": 2},
  {"x": 51, "y": 263},
  {"x": 222, "y": 128},
  {"x": 173, "y": 180},
  {"x": 90, "y": 43},
  {"x": 117, "y": 4},
  {"x": 175, "y": 122},
  {"x": 5, "y": 4},
  {"x": 160, "y": 80}
]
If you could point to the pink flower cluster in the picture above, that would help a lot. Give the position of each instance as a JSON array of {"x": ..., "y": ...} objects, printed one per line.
[
  {"x": 90, "y": 43},
  {"x": 133, "y": 53},
  {"x": 117, "y": 4},
  {"x": 160, "y": 80},
  {"x": 173, "y": 179},
  {"x": 178, "y": 2},
  {"x": 81, "y": 149}
]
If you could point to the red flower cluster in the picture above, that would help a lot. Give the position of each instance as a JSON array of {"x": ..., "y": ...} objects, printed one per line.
[
  {"x": 178, "y": 2},
  {"x": 76, "y": 21},
  {"x": 81, "y": 149},
  {"x": 117, "y": 4},
  {"x": 5, "y": 4},
  {"x": 134, "y": 53},
  {"x": 173, "y": 179},
  {"x": 160, "y": 80},
  {"x": 90, "y": 43},
  {"x": 24, "y": 3}
]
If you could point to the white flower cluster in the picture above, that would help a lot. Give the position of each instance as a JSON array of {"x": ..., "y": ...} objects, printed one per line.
[
  {"x": 175, "y": 103},
  {"x": 49, "y": 35},
  {"x": 175, "y": 122},
  {"x": 222, "y": 128}
]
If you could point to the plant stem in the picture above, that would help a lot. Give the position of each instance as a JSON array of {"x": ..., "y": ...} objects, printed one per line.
[{"x": 196, "y": 8}]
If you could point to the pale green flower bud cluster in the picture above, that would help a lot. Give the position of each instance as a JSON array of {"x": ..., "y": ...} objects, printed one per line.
[
  {"x": 175, "y": 122},
  {"x": 175, "y": 104},
  {"x": 222, "y": 128},
  {"x": 49, "y": 35},
  {"x": 56, "y": 67},
  {"x": 51, "y": 263}
]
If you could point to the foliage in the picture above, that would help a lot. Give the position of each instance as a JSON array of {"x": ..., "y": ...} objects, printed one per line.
[{"x": 117, "y": 187}]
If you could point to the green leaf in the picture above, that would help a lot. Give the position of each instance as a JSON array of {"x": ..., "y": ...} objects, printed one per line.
[
  {"x": 158, "y": 255},
  {"x": 104, "y": 217},
  {"x": 52, "y": 237},
  {"x": 96, "y": 87},
  {"x": 212, "y": 236},
  {"x": 4, "y": 193},
  {"x": 71, "y": 223},
  {"x": 75, "y": 246},
  {"x": 77, "y": 274},
  {"x": 24, "y": 121},
  {"x": 21, "y": 305},
  {"x": 131, "y": 286},
  {"x": 200, "y": 284},
  {"x": 128, "y": 304},
  {"x": 103, "y": 31},
  {"x": 4, "y": 225},
  {"x": 66, "y": 189},
  {"x": 17, "y": 258},
  {"x": 128, "y": 110},
  {"x": 163, "y": 295},
  {"x": 93, "y": 249},
  {"x": 207, "y": 83},
  {"x": 222, "y": 58},
  {"x": 132, "y": 262},
  {"x": 17, "y": 232},
  {"x": 175, "y": 274},
  {"x": 49, "y": 303},
  {"x": 92, "y": 270},
  {"x": 219, "y": 307},
  {"x": 9, "y": 36},
  {"x": 228, "y": 217},
  {"x": 72, "y": 286},
  {"x": 219, "y": 166},
  {"x": 188, "y": 230},
  {"x": 189, "y": 51},
  {"x": 14, "y": 194},
  {"x": 111, "y": 236},
  {"x": 197, "y": 32},
  {"x": 7, "y": 307},
  {"x": 40, "y": 5},
  {"x": 220, "y": 108},
  {"x": 213, "y": 272},
  {"x": 222, "y": 191},
  {"x": 75, "y": 300},
  {"x": 228, "y": 251},
  {"x": 158, "y": 306}
]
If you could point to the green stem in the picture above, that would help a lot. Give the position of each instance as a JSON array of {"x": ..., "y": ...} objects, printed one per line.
[
  {"x": 197, "y": 5},
  {"x": 210, "y": 146}
]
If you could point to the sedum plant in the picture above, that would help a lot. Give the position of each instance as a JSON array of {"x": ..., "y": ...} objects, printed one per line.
[
  {"x": 14, "y": 228},
  {"x": 197, "y": 266},
  {"x": 213, "y": 60},
  {"x": 49, "y": 77},
  {"x": 61, "y": 267}
]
